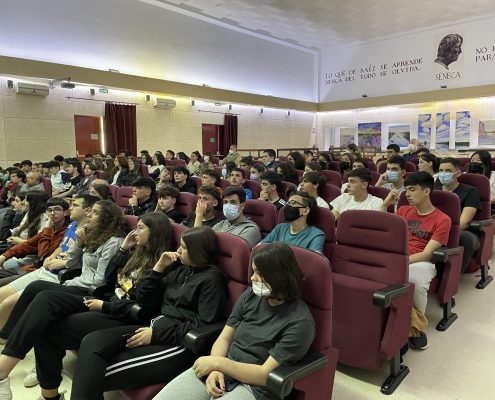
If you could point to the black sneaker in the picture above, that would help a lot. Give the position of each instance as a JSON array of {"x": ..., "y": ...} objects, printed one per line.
[{"x": 418, "y": 342}]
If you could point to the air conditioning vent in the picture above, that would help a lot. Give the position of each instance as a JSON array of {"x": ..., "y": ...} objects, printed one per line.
[
  {"x": 33, "y": 89},
  {"x": 164, "y": 103}
]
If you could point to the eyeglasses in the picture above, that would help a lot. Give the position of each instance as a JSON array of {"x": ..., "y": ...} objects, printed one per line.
[
  {"x": 54, "y": 210},
  {"x": 294, "y": 203}
]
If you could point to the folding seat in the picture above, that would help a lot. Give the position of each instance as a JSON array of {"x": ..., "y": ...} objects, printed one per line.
[
  {"x": 247, "y": 172},
  {"x": 334, "y": 166},
  {"x": 371, "y": 165},
  {"x": 176, "y": 162},
  {"x": 131, "y": 222},
  {"x": 197, "y": 179},
  {"x": 113, "y": 191},
  {"x": 218, "y": 171},
  {"x": 47, "y": 183},
  {"x": 100, "y": 174},
  {"x": 224, "y": 183},
  {"x": 325, "y": 221},
  {"x": 333, "y": 177},
  {"x": 381, "y": 165},
  {"x": 177, "y": 231},
  {"x": 311, "y": 378},
  {"x": 186, "y": 203},
  {"x": 144, "y": 170},
  {"x": 254, "y": 186},
  {"x": 263, "y": 213},
  {"x": 233, "y": 259},
  {"x": 382, "y": 193},
  {"x": 124, "y": 193},
  {"x": 448, "y": 260},
  {"x": 483, "y": 226},
  {"x": 282, "y": 159},
  {"x": 411, "y": 167},
  {"x": 286, "y": 190},
  {"x": 299, "y": 173},
  {"x": 330, "y": 192},
  {"x": 372, "y": 296}
]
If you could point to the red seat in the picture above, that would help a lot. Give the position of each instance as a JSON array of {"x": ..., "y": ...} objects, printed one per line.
[
  {"x": 325, "y": 221},
  {"x": 311, "y": 378},
  {"x": 144, "y": 170},
  {"x": 186, "y": 203},
  {"x": 254, "y": 186},
  {"x": 482, "y": 225},
  {"x": 372, "y": 296},
  {"x": 334, "y": 166},
  {"x": 224, "y": 183},
  {"x": 47, "y": 183},
  {"x": 197, "y": 179},
  {"x": 176, "y": 162},
  {"x": 131, "y": 221},
  {"x": 371, "y": 165},
  {"x": 218, "y": 171},
  {"x": 113, "y": 191},
  {"x": 411, "y": 167},
  {"x": 448, "y": 260},
  {"x": 263, "y": 213},
  {"x": 101, "y": 175},
  {"x": 333, "y": 177},
  {"x": 287, "y": 189},
  {"x": 124, "y": 193},
  {"x": 299, "y": 173},
  {"x": 329, "y": 192}
]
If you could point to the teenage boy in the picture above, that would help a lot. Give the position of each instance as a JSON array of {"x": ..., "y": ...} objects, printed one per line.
[
  {"x": 167, "y": 197},
  {"x": 269, "y": 158},
  {"x": 271, "y": 184},
  {"x": 208, "y": 199},
  {"x": 393, "y": 177},
  {"x": 60, "y": 179},
  {"x": 183, "y": 181},
  {"x": 26, "y": 166},
  {"x": 210, "y": 177},
  {"x": 393, "y": 150},
  {"x": 142, "y": 200},
  {"x": 312, "y": 183},
  {"x": 428, "y": 230},
  {"x": 237, "y": 178}
]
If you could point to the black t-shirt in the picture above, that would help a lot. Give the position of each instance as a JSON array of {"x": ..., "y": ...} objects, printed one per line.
[
  {"x": 190, "y": 186},
  {"x": 279, "y": 203},
  {"x": 468, "y": 196},
  {"x": 175, "y": 215},
  {"x": 189, "y": 221}
]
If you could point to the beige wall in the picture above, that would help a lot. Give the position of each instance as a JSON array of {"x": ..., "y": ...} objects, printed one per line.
[{"x": 37, "y": 128}]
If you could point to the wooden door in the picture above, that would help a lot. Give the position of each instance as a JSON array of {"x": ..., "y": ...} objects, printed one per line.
[
  {"x": 211, "y": 136},
  {"x": 88, "y": 134}
]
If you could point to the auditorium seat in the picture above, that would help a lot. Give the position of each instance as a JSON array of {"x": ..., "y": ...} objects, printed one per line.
[
  {"x": 329, "y": 192},
  {"x": 482, "y": 225},
  {"x": 218, "y": 170},
  {"x": 286, "y": 190},
  {"x": 372, "y": 296},
  {"x": 186, "y": 203},
  {"x": 124, "y": 193},
  {"x": 371, "y": 165},
  {"x": 311, "y": 378},
  {"x": 254, "y": 186},
  {"x": 113, "y": 191},
  {"x": 333, "y": 177},
  {"x": 131, "y": 222},
  {"x": 334, "y": 166},
  {"x": 176, "y": 162},
  {"x": 411, "y": 167},
  {"x": 101, "y": 175},
  {"x": 223, "y": 183},
  {"x": 47, "y": 183},
  {"x": 299, "y": 173},
  {"x": 263, "y": 213},
  {"x": 197, "y": 180},
  {"x": 144, "y": 170}
]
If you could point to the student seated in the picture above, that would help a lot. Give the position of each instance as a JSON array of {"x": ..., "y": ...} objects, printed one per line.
[
  {"x": 428, "y": 230},
  {"x": 210, "y": 177},
  {"x": 393, "y": 150},
  {"x": 34, "y": 181},
  {"x": 312, "y": 166},
  {"x": 345, "y": 164},
  {"x": 194, "y": 164},
  {"x": 481, "y": 163},
  {"x": 119, "y": 171},
  {"x": 183, "y": 181},
  {"x": 143, "y": 192},
  {"x": 100, "y": 190},
  {"x": 167, "y": 197},
  {"x": 357, "y": 196},
  {"x": 237, "y": 178},
  {"x": 208, "y": 199},
  {"x": 246, "y": 162},
  {"x": 270, "y": 187},
  {"x": 393, "y": 177},
  {"x": 449, "y": 171},
  {"x": 60, "y": 179},
  {"x": 428, "y": 162},
  {"x": 271, "y": 315},
  {"x": 85, "y": 183},
  {"x": 235, "y": 223},
  {"x": 357, "y": 163},
  {"x": 166, "y": 177},
  {"x": 312, "y": 183},
  {"x": 269, "y": 158},
  {"x": 233, "y": 156},
  {"x": 300, "y": 214}
]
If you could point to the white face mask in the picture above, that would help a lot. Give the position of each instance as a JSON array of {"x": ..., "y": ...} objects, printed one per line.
[
  {"x": 231, "y": 151},
  {"x": 207, "y": 159},
  {"x": 412, "y": 147},
  {"x": 261, "y": 289}
]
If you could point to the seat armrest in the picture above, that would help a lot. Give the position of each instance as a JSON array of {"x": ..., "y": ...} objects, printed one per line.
[
  {"x": 281, "y": 380},
  {"x": 479, "y": 226},
  {"x": 383, "y": 297},
  {"x": 443, "y": 253},
  {"x": 68, "y": 274},
  {"x": 197, "y": 340}
]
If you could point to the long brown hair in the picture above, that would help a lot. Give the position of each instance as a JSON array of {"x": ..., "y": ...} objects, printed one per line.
[
  {"x": 201, "y": 243},
  {"x": 160, "y": 240},
  {"x": 37, "y": 207},
  {"x": 111, "y": 223}
]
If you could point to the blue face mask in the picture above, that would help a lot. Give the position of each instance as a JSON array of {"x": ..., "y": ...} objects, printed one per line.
[
  {"x": 224, "y": 172},
  {"x": 445, "y": 178},
  {"x": 253, "y": 177},
  {"x": 231, "y": 211},
  {"x": 393, "y": 176}
]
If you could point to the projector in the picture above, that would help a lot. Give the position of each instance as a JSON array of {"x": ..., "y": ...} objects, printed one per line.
[{"x": 67, "y": 85}]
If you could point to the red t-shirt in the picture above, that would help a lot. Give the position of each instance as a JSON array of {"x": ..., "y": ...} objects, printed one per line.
[{"x": 423, "y": 228}]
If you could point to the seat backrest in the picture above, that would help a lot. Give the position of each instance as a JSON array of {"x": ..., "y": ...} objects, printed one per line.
[
  {"x": 124, "y": 193},
  {"x": 334, "y": 166},
  {"x": 371, "y": 165},
  {"x": 325, "y": 221},
  {"x": 131, "y": 221},
  {"x": 449, "y": 204},
  {"x": 378, "y": 191},
  {"x": 144, "y": 170},
  {"x": 333, "y": 177},
  {"x": 254, "y": 186},
  {"x": 100, "y": 174},
  {"x": 47, "y": 183},
  {"x": 411, "y": 167},
  {"x": 482, "y": 185},
  {"x": 218, "y": 170},
  {"x": 317, "y": 292},
  {"x": 113, "y": 190},
  {"x": 299, "y": 173},
  {"x": 197, "y": 179},
  {"x": 372, "y": 245},
  {"x": 176, "y": 162},
  {"x": 263, "y": 213},
  {"x": 224, "y": 183},
  {"x": 177, "y": 231},
  {"x": 233, "y": 259},
  {"x": 287, "y": 189},
  {"x": 186, "y": 203},
  {"x": 330, "y": 192}
]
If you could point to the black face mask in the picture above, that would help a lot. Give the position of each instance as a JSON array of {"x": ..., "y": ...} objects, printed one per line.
[
  {"x": 291, "y": 213},
  {"x": 345, "y": 165},
  {"x": 476, "y": 168}
]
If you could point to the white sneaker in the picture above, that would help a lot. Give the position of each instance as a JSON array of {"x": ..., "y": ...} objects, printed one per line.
[
  {"x": 31, "y": 379},
  {"x": 5, "y": 392}
]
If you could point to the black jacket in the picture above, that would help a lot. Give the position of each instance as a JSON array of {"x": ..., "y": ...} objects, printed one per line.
[{"x": 141, "y": 208}]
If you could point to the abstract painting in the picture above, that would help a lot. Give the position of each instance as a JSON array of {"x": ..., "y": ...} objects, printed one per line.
[
  {"x": 347, "y": 136},
  {"x": 370, "y": 135},
  {"x": 424, "y": 129},
  {"x": 399, "y": 134},
  {"x": 486, "y": 133},
  {"x": 462, "y": 130},
  {"x": 442, "y": 132}
]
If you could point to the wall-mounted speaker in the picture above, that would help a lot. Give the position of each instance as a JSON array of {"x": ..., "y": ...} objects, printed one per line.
[
  {"x": 92, "y": 92},
  {"x": 10, "y": 84},
  {"x": 148, "y": 97}
]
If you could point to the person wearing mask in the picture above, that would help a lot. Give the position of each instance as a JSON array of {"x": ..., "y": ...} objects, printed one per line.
[
  {"x": 167, "y": 197},
  {"x": 414, "y": 147},
  {"x": 449, "y": 171},
  {"x": 345, "y": 164},
  {"x": 233, "y": 156},
  {"x": 269, "y": 158},
  {"x": 235, "y": 223},
  {"x": 271, "y": 185},
  {"x": 237, "y": 178},
  {"x": 256, "y": 171},
  {"x": 393, "y": 177},
  {"x": 357, "y": 196},
  {"x": 325, "y": 159},
  {"x": 194, "y": 164},
  {"x": 300, "y": 214},
  {"x": 183, "y": 181},
  {"x": 481, "y": 163},
  {"x": 312, "y": 183},
  {"x": 208, "y": 199},
  {"x": 270, "y": 314},
  {"x": 142, "y": 200}
]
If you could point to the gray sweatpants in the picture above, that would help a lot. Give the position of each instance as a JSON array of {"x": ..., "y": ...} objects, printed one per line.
[
  {"x": 188, "y": 386},
  {"x": 421, "y": 274}
]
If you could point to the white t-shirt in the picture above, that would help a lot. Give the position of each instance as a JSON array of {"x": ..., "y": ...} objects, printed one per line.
[
  {"x": 492, "y": 184},
  {"x": 321, "y": 203},
  {"x": 346, "y": 202}
]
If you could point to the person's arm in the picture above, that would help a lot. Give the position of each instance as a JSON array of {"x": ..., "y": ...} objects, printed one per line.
[
  {"x": 108, "y": 251},
  {"x": 426, "y": 254},
  {"x": 200, "y": 211},
  {"x": 391, "y": 199},
  {"x": 336, "y": 214},
  {"x": 467, "y": 216},
  {"x": 317, "y": 243},
  {"x": 336, "y": 205},
  {"x": 382, "y": 180},
  {"x": 221, "y": 346}
]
